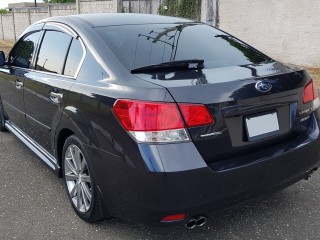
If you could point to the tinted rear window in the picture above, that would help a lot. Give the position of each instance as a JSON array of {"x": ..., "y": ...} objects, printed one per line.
[
  {"x": 143, "y": 45},
  {"x": 53, "y": 52},
  {"x": 74, "y": 58}
]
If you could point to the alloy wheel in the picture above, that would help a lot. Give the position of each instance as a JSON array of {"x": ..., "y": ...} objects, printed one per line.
[{"x": 77, "y": 178}]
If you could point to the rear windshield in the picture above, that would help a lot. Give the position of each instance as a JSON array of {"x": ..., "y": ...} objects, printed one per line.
[{"x": 142, "y": 45}]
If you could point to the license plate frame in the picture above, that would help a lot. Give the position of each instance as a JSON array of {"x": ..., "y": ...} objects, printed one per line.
[{"x": 261, "y": 126}]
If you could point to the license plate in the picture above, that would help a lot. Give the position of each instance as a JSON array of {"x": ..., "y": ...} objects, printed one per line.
[{"x": 259, "y": 127}]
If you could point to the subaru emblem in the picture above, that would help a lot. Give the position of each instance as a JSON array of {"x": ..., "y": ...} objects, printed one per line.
[{"x": 263, "y": 86}]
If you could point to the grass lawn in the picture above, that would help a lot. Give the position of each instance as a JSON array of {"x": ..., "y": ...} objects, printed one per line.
[{"x": 315, "y": 72}]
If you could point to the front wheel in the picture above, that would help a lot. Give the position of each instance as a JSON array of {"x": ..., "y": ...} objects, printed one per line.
[{"x": 79, "y": 181}]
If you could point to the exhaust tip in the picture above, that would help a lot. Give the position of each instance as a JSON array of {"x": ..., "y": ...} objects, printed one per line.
[
  {"x": 201, "y": 221},
  {"x": 191, "y": 223}
]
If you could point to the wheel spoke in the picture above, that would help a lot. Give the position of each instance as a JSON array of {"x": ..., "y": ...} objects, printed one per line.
[
  {"x": 73, "y": 192},
  {"x": 70, "y": 166},
  {"x": 87, "y": 191},
  {"x": 86, "y": 178},
  {"x": 71, "y": 177},
  {"x": 71, "y": 153},
  {"x": 84, "y": 199},
  {"x": 83, "y": 165},
  {"x": 79, "y": 198},
  {"x": 77, "y": 159}
]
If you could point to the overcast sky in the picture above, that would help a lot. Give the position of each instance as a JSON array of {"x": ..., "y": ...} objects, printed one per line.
[{"x": 4, "y": 3}]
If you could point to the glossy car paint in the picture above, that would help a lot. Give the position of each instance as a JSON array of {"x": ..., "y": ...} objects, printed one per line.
[{"x": 218, "y": 169}]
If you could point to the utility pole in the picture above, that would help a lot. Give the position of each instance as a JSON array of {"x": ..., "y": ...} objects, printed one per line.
[{"x": 35, "y": 3}]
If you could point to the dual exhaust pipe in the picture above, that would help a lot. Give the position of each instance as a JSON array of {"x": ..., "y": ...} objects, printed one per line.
[
  {"x": 196, "y": 222},
  {"x": 199, "y": 221}
]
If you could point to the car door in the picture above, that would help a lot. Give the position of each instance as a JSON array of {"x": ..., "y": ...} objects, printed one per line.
[
  {"x": 47, "y": 87},
  {"x": 12, "y": 77}
]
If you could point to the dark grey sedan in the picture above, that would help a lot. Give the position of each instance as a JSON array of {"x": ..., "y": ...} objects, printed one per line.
[{"x": 157, "y": 119}]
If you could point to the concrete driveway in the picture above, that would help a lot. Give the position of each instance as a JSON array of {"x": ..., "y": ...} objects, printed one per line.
[{"x": 33, "y": 205}]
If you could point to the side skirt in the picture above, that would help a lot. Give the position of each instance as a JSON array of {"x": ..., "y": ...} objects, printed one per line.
[{"x": 43, "y": 154}]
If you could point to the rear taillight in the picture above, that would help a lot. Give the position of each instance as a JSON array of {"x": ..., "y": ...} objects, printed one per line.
[
  {"x": 160, "y": 121},
  {"x": 195, "y": 115},
  {"x": 310, "y": 92}
]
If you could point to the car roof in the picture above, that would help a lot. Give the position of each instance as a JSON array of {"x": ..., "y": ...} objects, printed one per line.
[{"x": 112, "y": 19}]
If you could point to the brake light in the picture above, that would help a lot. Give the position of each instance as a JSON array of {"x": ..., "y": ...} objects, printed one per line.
[
  {"x": 147, "y": 116},
  {"x": 196, "y": 115},
  {"x": 310, "y": 92},
  {"x": 160, "y": 121}
]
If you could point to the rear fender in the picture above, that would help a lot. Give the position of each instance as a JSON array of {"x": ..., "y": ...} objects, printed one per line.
[{"x": 74, "y": 120}]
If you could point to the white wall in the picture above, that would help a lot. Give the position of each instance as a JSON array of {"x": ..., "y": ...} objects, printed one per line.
[
  {"x": 23, "y": 17},
  {"x": 286, "y": 30}
]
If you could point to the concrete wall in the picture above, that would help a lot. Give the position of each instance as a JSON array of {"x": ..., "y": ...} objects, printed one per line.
[
  {"x": 20, "y": 22},
  {"x": 91, "y": 6},
  {"x": 14, "y": 23},
  {"x": 7, "y": 27},
  {"x": 142, "y": 6},
  {"x": 57, "y": 10},
  {"x": 286, "y": 30},
  {"x": 23, "y": 17}
]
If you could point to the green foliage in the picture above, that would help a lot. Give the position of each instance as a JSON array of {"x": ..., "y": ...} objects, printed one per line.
[
  {"x": 181, "y": 8},
  {"x": 3, "y": 11},
  {"x": 25, "y": 49},
  {"x": 58, "y": 1}
]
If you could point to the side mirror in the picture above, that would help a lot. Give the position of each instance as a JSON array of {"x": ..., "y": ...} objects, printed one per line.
[{"x": 2, "y": 58}]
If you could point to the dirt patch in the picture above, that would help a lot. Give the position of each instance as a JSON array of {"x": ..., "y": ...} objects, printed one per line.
[
  {"x": 6, "y": 46},
  {"x": 315, "y": 72}
]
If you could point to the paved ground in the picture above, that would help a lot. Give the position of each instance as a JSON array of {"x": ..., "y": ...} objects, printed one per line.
[{"x": 33, "y": 205}]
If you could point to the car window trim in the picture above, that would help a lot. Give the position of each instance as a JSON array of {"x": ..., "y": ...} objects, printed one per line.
[
  {"x": 67, "y": 56},
  {"x": 63, "y": 28},
  {"x": 35, "y": 56},
  {"x": 32, "y": 69},
  {"x": 84, "y": 54},
  {"x": 70, "y": 32}
]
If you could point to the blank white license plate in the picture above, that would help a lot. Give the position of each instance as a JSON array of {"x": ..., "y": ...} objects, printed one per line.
[{"x": 262, "y": 126}]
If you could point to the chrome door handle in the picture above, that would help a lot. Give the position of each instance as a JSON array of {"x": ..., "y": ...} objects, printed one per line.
[{"x": 56, "y": 95}]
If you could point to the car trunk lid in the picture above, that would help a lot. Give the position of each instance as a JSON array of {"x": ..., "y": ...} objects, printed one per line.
[{"x": 246, "y": 118}]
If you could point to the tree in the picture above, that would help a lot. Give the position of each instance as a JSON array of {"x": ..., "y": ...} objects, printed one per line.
[
  {"x": 58, "y": 1},
  {"x": 3, "y": 11}
]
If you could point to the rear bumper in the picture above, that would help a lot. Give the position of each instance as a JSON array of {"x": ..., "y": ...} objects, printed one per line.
[{"x": 147, "y": 196}]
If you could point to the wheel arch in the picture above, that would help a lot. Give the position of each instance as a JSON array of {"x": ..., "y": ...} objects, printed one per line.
[{"x": 73, "y": 122}]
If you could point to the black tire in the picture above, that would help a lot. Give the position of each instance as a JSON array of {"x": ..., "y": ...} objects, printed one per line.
[
  {"x": 94, "y": 213},
  {"x": 2, "y": 119}
]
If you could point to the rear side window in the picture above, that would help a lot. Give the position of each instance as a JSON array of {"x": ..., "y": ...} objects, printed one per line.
[
  {"x": 74, "y": 58},
  {"x": 142, "y": 45},
  {"x": 23, "y": 51},
  {"x": 53, "y": 52}
]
